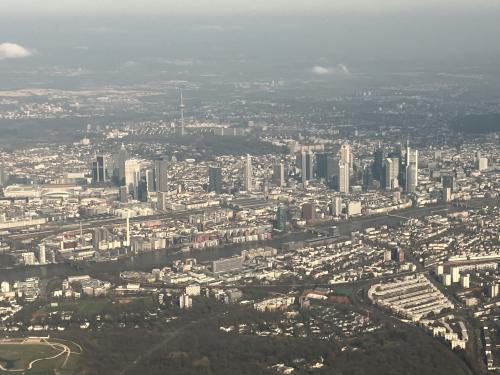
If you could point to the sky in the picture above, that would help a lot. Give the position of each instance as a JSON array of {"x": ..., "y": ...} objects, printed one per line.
[{"x": 228, "y": 6}]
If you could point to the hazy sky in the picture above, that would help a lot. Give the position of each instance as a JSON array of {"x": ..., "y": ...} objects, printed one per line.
[{"x": 218, "y": 6}]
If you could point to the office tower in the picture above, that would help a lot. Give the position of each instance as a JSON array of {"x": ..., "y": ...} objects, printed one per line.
[
  {"x": 3, "y": 176},
  {"x": 99, "y": 169},
  {"x": 121, "y": 160},
  {"x": 182, "y": 115},
  {"x": 150, "y": 178},
  {"x": 343, "y": 177},
  {"x": 305, "y": 161},
  {"x": 247, "y": 171},
  {"x": 215, "y": 179},
  {"x": 142, "y": 190},
  {"x": 132, "y": 175},
  {"x": 378, "y": 163},
  {"x": 41, "y": 254},
  {"x": 336, "y": 209},
  {"x": 346, "y": 155},
  {"x": 367, "y": 178},
  {"x": 482, "y": 163},
  {"x": 308, "y": 211},
  {"x": 281, "y": 218},
  {"x": 448, "y": 181},
  {"x": 278, "y": 178},
  {"x": 391, "y": 173},
  {"x": 161, "y": 174},
  {"x": 325, "y": 166},
  {"x": 411, "y": 169},
  {"x": 447, "y": 194},
  {"x": 123, "y": 194},
  {"x": 162, "y": 200}
]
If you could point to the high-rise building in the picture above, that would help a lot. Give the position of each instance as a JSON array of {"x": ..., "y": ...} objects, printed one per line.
[
  {"x": 449, "y": 181},
  {"x": 391, "y": 173},
  {"x": 41, "y": 254},
  {"x": 411, "y": 169},
  {"x": 378, "y": 163},
  {"x": 247, "y": 171},
  {"x": 99, "y": 169},
  {"x": 142, "y": 190},
  {"x": 336, "y": 209},
  {"x": 281, "y": 218},
  {"x": 132, "y": 175},
  {"x": 182, "y": 115},
  {"x": 308, "y": 211},
  {"x": 343, "y": 177},
  {"x": 161, "y": 174},
  {"x": 305, "y": 161},
  {"x": 278, "y": 178},
  {"x": 162, "y": 201},
  {"x": 325, "y": 166},
  {"x": 482, "y": 163},
  {"x": 121, "y": 160},
  {"x": 215, "y": 179},
  {"x": 367, "y": 178},
  {"x": 346, "y": 155},
  {"x": 123, "y": 194},
  {"x": 150, "y": 179},
  {"x": 3, "y": 176}
]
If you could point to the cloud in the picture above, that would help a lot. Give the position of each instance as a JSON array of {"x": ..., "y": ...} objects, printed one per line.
[
  {"x": 13, "y": 51},
  {"x": 339, "y": 69}
]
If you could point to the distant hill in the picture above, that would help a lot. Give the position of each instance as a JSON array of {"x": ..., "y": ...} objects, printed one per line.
[{"x": 487, "y": 123}]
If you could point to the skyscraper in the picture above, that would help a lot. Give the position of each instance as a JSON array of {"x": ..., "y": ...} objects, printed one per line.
[
  {"x": 132, "y": 175},
  {"x": 346, "y": 155},
  {"x": 411, "y": 169},
  {"x": 308, "y": 211},
  {"x": 305, "y": 161},
  {"x": 142, "y": 190},
  {"x": 247, "y": 171},
  {"x": 281, "y": 218},
  {"x": 161, "y": 174},
  {"x": 378, "y": 163},
  {"x": 122, "y": 158},
  {"x": 391, "y": 173},
  {"x": 182, "y": 115},
  {"x": 343, "y": 177},
  {"x": 325, "y": 166},
  {"x": 99, "y": 169},
  {"x": 278, "y": 178},
  {"x": 367, "y": 178},
  {"x": 150, "y": 179},
  {"x": 215, "y": 179},
  {"x": 336, "y": 209},
  {"x": 3, "y": 175}
]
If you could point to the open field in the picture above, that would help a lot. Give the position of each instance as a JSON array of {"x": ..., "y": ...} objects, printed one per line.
[{"x": 35, "y": 355}]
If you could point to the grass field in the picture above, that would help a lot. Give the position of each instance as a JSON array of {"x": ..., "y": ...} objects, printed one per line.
[
  {"x": 37, "y": 357},
  {"x": 89, "y": 308}
]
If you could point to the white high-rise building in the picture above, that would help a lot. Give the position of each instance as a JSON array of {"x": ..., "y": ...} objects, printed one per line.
[
  {"x": 343, "y": 177},
  {"x": 337, "y": 206},
  {"x": 41, "y": 254},
  {"x": 247, "y": 171},
  {"x": 391, "y": 173},
  {"x": 482, "y": 163},
  {"x": 132, "y": 175},
  {"x": 346, "y": 155},
  {"x": 411, "y": 172}
]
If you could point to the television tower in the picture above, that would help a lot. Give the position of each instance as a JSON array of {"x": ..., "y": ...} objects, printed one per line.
[{"x": 182, "y": 115}]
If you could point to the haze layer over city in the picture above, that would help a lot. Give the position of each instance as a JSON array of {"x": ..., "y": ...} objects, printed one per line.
[{"x": 249, "y": 187}]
